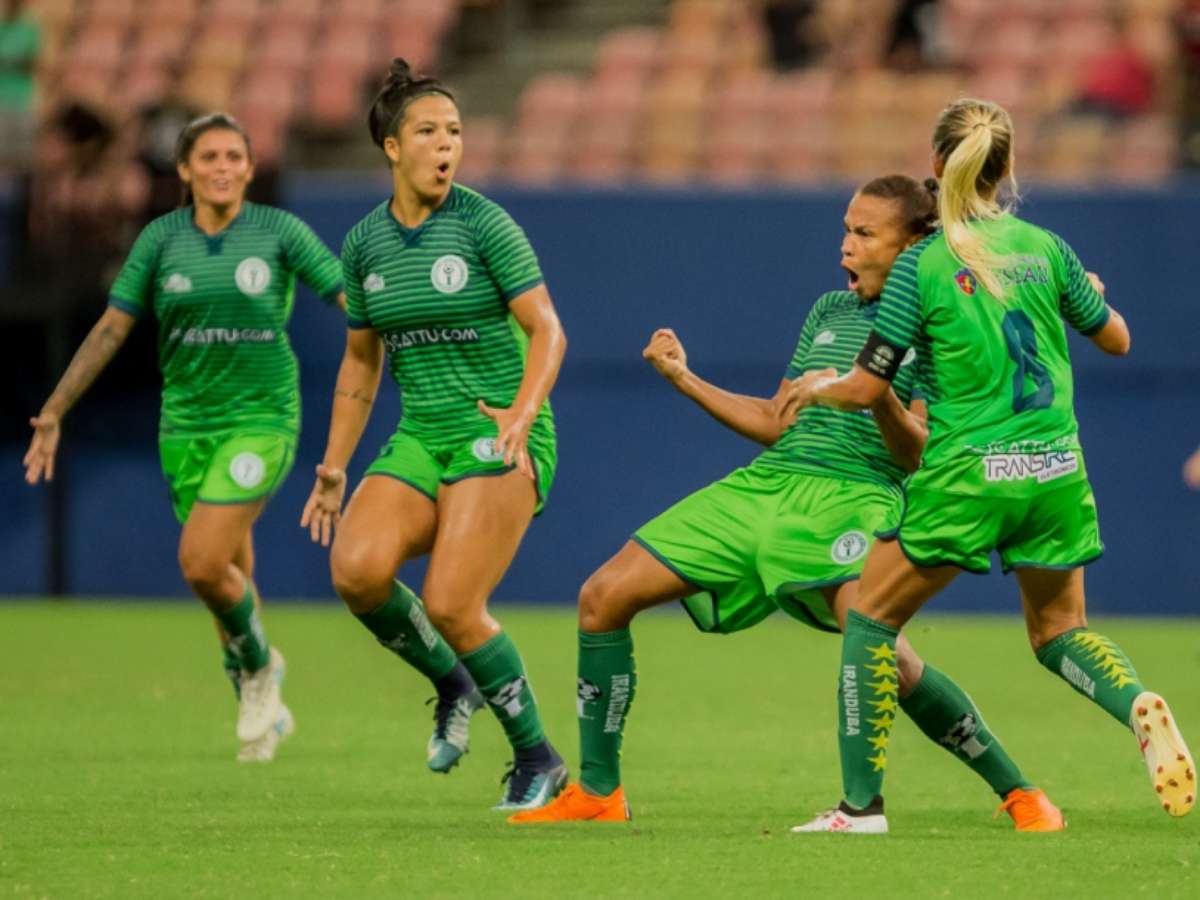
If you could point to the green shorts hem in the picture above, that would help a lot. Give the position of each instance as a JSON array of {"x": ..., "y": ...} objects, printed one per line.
[
  {"x": 691, "y": 582},
  {"x": 1007, "y": 567},
  {"x": 241, "y": 501},
  {"x": 935, "y": 563},
  {"x": 412, "y": 484}
]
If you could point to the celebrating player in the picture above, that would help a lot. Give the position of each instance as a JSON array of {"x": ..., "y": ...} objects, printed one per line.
[
  {"x": 983, "y": 302},
  {"x": 448, "y": 283},
  {"x": 790, "y": 530},
  {"x": 219, "y": 275}
]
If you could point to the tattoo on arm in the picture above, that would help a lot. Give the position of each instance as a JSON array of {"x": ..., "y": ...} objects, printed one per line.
[
  {"x": 357, "y": 394},
  {"x": 93, "y": 355}
]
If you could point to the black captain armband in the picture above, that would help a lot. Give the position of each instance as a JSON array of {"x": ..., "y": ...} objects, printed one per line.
[{"x": 881, "y": 358}]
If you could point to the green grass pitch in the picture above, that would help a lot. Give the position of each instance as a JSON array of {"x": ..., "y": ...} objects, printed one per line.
[{"x": 117, "y": 772}]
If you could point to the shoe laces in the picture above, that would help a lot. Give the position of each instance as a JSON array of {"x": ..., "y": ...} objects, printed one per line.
[
  {"x": 451, "y": 719},
  {"x": 521, "y": 781}
]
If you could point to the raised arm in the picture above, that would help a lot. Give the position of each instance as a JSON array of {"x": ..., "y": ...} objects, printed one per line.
[
  {"x": 97, "y": 349},
  {"x": 353, "y": 396},
  {"x": 753, "y": 417},
  {"x": 534, "y": 312}
]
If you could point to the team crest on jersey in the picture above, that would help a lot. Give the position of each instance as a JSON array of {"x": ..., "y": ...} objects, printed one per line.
[
  {"x": 825, "y": 337},
  {"x": 247, "y": 470},
  {"x": 485, "y": 450},
  {"x": 177, "y": 284},
  {"x": 373, "y": 283},
  {"x": 449, "y": 274},
  {"x": 966, "y": 282},
  {"x": 253, "y": 276},
  {"x": 848, "y": 548}
]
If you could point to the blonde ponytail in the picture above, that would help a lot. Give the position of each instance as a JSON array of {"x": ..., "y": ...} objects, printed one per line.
[{"x": 974, "y": 140}]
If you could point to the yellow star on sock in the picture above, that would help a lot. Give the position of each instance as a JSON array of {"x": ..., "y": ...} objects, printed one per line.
[
  {"x": 883, "y": 670},
  {"x": 878, "y": 741},
  {"x": 883, "y": 651},
  {"x": 887, "y": 704},
  {"x": 879, "y": 760},
  {"x": 884, "y": 687},
  {"x": 883, "y": 723}
]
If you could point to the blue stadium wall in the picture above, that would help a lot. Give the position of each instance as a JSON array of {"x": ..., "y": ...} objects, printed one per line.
[{"x": 734, "y": 274}]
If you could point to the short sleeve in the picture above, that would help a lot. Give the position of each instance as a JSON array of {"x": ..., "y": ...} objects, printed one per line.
[
  {"x": 1080, "y": 304},
  {"x": 900, "y": 314},
  {"x": 310, "y": 259},
  {"x": 352, "y": 280},
  {"x": 133, "y": 289},
  {"x": 507, "y": 253},
  {"x": 811, "y": 323}
]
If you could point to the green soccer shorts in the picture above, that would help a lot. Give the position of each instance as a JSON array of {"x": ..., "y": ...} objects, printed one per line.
[
  {"x": 426, "y": 465},
  {"x": 956, "y": 516},
  {"x": 225, "y": 467},
  {"x": 762, "y": 539}
]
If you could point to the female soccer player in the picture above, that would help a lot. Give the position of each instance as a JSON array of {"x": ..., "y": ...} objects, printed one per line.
[
  {"x": 983, "y": 302},
  {"x": 790, "y": 530},
  {"x": 448, "y": 283},
  {"x": 219, "y": 275}
]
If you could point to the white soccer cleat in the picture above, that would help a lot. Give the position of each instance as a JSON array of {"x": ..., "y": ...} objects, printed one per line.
[
  {"x": 263, "y": 750},
  {"x": 261, "y": 699},
  {"x": 1172, "y": 771},
  {"x": 842, "y": 821}
]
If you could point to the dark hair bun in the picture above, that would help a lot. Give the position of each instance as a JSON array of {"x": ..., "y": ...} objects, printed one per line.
[
  {"x": 931, "y": 185},
  {"x": 400, "y": 74}
]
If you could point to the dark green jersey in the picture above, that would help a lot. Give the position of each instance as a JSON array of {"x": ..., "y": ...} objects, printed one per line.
[
  {"x": 223, "y": 302},
  {"x": 1000, "y": 382},
  {"x": 832, "y": 442},
  {"x": 438, "y": 296}
]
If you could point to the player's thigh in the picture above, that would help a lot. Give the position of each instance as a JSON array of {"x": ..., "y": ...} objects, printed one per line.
[
  {"x": 480, "y": 524},
  {"x": 213, "y": 536},
  {"x": 629, "y": 582},
  {"x": 893, "y": 587},
  {"x": 387, "y": 522},
  {"x": 1053, "y": 602}
]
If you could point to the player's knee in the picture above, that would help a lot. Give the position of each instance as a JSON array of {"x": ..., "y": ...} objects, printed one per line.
[
  {"x": 600, "y": 607},
  {"x": 460, "y": 624},
  {"x": 204, "y": 572},
  {"x": 361, "y": 578},
  {"x": 1042, "y": 629}
]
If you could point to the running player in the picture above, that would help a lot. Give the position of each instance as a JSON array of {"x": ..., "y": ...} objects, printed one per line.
[
  {"x": 983, "y": 302},
  {"x": 219, "y": 275},
  {"x": 445, "y": 281},
  {"x": 790, "y": 530}
]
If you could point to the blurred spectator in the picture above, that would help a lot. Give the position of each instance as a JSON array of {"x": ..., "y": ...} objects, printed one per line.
[
  {"x": 1189, "y": 44},
  {"x": 916, "y": 36},
  {"x": 86, "y": 195},
  {"x": 1118, "y": 82},
  {"x": 788, "y": 30},
  {"x": 19, "y": 41}
]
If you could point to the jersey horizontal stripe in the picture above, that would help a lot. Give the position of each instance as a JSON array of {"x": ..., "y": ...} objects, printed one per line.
[
  {"x": 830, "y": 442},
  {"x": 222, "y": 303},
  {"x": 438, "y": 296}
]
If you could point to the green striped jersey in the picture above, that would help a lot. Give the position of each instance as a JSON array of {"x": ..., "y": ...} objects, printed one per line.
[
  {"x": 999, "y": 372},
  {"x": 833, "y": 442},
  {"x": 438, "y": 296},
  {"x": 223, "y": 302}
]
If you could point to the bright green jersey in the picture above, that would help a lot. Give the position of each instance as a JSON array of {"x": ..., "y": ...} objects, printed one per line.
[
  {"x": 438, "y": 296},
  {"x": 831, "y": 442},
  {"x": 999, "y": 384},
  {"x": 223, "y": 302}
]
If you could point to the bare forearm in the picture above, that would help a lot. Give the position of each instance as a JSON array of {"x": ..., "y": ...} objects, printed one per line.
[
  {"x": 546, "y": 350},
  {"x": 353, "y": 398},
  {"x": 903, "y": 433},
  {"x": 752, "y": 417},
  {"x": 97, "y": 349}
]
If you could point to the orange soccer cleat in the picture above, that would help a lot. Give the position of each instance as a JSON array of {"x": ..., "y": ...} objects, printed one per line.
[
  {"x": 1031, "y": 810},
  {"x": 575, "y": 804}
]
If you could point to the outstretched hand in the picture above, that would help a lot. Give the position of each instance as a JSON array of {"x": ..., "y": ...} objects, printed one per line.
[
  {"x": 512, "y": 436},
  {"x": 665, "y": 352},
  {"x": 324, "y": 507},
  {"x": 1191, "y": 471},
  {"x": 39, "y": 459}
]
